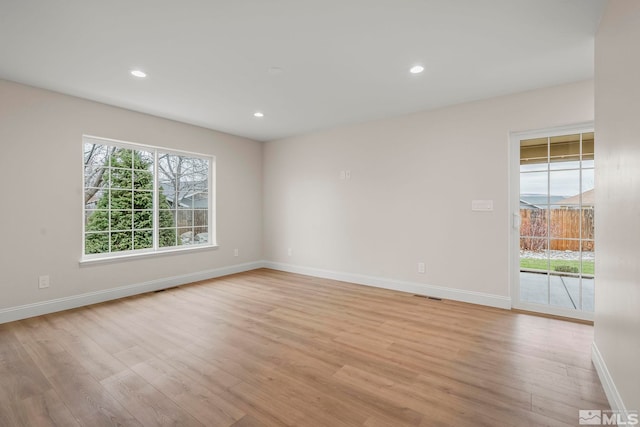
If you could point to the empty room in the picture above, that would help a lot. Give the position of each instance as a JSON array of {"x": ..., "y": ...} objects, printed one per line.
[{"x": 319, "y": 213}]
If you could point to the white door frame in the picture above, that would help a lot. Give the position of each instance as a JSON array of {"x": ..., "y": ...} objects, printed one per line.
[{"x": 514, "y": 218}]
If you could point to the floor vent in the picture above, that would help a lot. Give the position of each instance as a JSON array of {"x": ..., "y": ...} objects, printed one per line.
[
  {"x": 166, "y": 289},
  {"x": 428, "y": 297}
]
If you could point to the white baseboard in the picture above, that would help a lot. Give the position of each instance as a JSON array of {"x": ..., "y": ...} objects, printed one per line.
[
  {"x": 45, "y": 307},
  {"x": 398, "y": 285},
  {"x": 614, "y": 398}
]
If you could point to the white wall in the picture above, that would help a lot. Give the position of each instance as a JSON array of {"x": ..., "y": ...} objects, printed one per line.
[
  {"x": 409, "y": 197},
  {"x": 617, "y": 122},
  {"x": 41, "y": 190}
]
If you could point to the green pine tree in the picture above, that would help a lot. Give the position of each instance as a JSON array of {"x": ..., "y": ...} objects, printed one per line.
[{"x": 129, "y": 209}]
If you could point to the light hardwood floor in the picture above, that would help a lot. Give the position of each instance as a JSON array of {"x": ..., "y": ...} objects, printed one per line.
[{"x": 267, "y": 348}]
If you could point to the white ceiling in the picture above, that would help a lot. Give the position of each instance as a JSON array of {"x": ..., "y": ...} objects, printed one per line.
[{"x": 343, "y": 61}]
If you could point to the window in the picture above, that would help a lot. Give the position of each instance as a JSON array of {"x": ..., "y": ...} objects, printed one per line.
[{"x": 141, "y": 199}]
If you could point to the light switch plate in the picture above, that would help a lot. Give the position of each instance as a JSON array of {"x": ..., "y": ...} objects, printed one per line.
[{"x": 482, "y": 205}]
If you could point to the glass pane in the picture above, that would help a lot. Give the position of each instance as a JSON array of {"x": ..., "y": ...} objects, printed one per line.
[
  {"x": 588, "y": 258},
  {"x": 534, "y": 188},
  {"x": 534, "y": 154},
  {"x": 185, "y": 218},
  {"x": 565, "y": 185},
  {"x": 143, "y": 160},
  {"x": 534, "y": 287},
  {"x": 96, "y": 243},
  {"x": 202, "y": 236},
  {"x": 201, "y": 200},
  {"x": 168, "y": 167},
  {"x": 186, "y": 176},
  {"x": 588, "y": 294},
  {"x": 588, "y": 223},
  {"x": 201, "y": 218},
  {"x": 564, "y": 291},
  {"x": 533, "y": 167},
  {"x": 533, "y": 222},
  {"x": 143, "y": 239},
  {"x": 143, "y": 200},
  {"x": 96, "y": 154},
  {"x": 121, "y": 220},
  {"x": 167, "y": 237},
  {"x": 167, "y": 218},
  {"x": 143, "y": 180},
  {"x": 194, "y": 172},
  {"x": 533, "y": 254},
  {"x": 121, "y": 241},
  {"x": 564, "y": 150},
  {"x": 588, "y": 147},
  {"x": 121, "y": 199},
  {"x": 185, "y": 201},
  {"x": 565, "y": 165},
  {"x": 97, "y": 220},
  {"x": 565, "y": 223},
  {"x": 186, "y": 236},
  {"x": 142, "y": 219},
  {"x": 122, "y": 158},
  {"x": 588, "y": 184},
  {"x": 121, "y": 178},
  {"x": 96, "y": 176},
  {"x": 93, "y": 196},
  {"x": 565, "y": 256}
]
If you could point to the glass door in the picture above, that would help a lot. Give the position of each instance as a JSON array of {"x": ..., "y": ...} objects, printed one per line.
[{"x": 556, "y": 209}]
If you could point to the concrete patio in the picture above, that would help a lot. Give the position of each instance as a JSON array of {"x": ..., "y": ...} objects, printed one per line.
[{"x": 562, "y": 291}]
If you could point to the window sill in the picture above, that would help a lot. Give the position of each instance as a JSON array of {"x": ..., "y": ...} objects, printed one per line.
[{"x": 139, "y": 255}]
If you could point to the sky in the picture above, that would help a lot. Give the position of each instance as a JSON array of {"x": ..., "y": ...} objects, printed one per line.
[{"x": 564, "y": 183}]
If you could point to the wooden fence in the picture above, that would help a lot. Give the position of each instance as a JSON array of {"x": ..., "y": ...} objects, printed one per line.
[{"x": 563, "y": 224}]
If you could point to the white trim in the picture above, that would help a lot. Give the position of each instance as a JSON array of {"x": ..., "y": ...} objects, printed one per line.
[
  {"x": 553, "y": 310},
  {"x": 136, "y": 145},
  {"x": 45, "y": 307},
  {"x": 481, "y": 298},
  {"x": 143, "y": 253},
  {"x": 610, "y": 390},
  {"x": 553, "y": 131}
]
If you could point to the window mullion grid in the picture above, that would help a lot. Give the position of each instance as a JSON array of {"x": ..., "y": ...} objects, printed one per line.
[
  {"x": 548, "y": 220},
  {"x": 580, "y": 229},
  {"x": 155, "y": 206},
  {"x": 113, "y": 213},
  {"x": 109, "y": 208}
]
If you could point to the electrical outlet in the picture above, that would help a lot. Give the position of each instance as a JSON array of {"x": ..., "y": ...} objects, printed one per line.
[
  {"x": 236, "y": 252},
  {"x": 289, "y": 252},
  {"x": 347, "y": 174},
  {"x": 421, "y": 267},
  {"x": 343, "y": 175},
  {"x": 43, "y": 282}
]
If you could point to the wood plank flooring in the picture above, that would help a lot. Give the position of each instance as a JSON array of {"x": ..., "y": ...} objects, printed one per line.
[{"x": 267, "y": 348}]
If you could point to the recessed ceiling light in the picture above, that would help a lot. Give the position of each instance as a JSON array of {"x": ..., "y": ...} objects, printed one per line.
[
  {"x": 258, "y": 114},
  {"x": 138, "y": 73},
  {"x": 416, "y": 69}
]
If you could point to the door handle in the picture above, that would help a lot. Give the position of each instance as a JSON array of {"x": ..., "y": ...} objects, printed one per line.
[{"x": 516, "y": 221}]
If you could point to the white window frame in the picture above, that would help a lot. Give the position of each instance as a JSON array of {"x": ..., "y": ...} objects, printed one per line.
[
  {"x": 514, "y": 220},
  {"x": 156, "y": 249}
]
